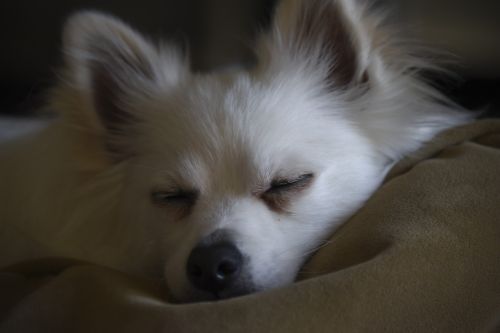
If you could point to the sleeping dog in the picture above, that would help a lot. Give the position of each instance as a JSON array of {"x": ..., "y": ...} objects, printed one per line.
[{"x": 223, "y": 183}]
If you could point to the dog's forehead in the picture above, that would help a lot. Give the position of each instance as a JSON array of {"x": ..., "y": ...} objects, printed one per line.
[
  {"x": 239, "y": 121},
  {"x": 241, "y": 108}
]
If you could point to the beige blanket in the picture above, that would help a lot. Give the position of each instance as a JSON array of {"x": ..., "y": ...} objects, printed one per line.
[{"x": 423, "y": 255}]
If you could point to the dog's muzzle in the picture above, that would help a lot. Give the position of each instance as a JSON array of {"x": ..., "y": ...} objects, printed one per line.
[
  {"x": 218, "y": 268},
  {"x": 214, "y": 268}
]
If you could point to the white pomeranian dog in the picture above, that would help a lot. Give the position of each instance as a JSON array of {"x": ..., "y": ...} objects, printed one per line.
[{"x": 221, "y": 183}]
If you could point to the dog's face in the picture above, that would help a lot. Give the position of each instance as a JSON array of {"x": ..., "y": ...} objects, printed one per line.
[
  {"x": 235, "y": 179},
  {"x": 258, "y": 173}
]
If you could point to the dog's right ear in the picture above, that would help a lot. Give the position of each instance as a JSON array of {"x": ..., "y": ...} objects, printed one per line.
[
  {"x": 321, "y": 37},
  {"x": 109, "y": 66}
]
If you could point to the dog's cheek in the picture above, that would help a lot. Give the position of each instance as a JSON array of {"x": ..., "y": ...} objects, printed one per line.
[
  {"x": 268, "y": 246},
  {"x": 275, "y": 266}
]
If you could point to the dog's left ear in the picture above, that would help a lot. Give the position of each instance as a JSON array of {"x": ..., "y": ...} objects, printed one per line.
[
  {"x": 110, "y": 68},
  {"x": 319, "y": 36},
  {"x": 337, "y": 46}
]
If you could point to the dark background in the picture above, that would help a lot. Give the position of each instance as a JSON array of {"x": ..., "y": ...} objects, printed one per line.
[{"x": 218, "y": 32}]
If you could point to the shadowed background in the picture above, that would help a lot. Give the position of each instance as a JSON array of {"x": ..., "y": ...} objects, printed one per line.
[{"x": 219, "y": 33}]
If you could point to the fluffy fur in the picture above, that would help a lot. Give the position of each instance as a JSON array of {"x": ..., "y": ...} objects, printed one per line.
[{"x": 332, "y": 96}]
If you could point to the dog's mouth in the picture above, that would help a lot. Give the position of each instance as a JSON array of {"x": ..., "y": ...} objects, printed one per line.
[
  {"x": 241, "y": 287},
  {"x": 235, "y": 292},
  {"x": 194, "y": 295}
]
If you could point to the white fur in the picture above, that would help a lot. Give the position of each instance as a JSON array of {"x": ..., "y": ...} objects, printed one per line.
[{"x": 226, "y": 136}]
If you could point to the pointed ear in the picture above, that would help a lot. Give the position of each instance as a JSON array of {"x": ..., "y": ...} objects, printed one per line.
[
  {"x": 109, "y": 67},
  {"x": 340, "y": 45},
  {"x": 322, "y": 36}
]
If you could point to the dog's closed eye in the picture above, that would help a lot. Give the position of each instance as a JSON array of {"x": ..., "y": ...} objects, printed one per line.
[
  {"x": 282, "y": 190},
  {"x": 174, "y": 197},
  {"x": 283, "y": 184}
]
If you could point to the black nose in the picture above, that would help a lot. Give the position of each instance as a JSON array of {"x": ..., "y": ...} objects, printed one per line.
[{"x": 214, "y": 267}]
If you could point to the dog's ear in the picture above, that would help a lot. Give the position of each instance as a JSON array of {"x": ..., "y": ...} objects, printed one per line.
[
  {"x": 317, "y": 36},
  {"x": 343, "y": 46},
  {"x": 109, "y": 66}
]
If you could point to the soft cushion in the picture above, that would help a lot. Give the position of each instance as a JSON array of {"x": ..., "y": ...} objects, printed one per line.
[{"x": 423, "y": 255}]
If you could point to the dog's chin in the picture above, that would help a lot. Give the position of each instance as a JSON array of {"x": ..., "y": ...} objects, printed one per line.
[
  {"x": 243, "y": 287},
  {"x": 194, "y": 295}
]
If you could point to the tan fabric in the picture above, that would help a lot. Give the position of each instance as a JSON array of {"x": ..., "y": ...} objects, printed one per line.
[{"x": 423, "y": 255}]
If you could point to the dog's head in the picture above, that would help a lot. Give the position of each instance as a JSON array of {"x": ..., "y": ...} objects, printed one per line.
[{"x": 233, "y": 179}]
